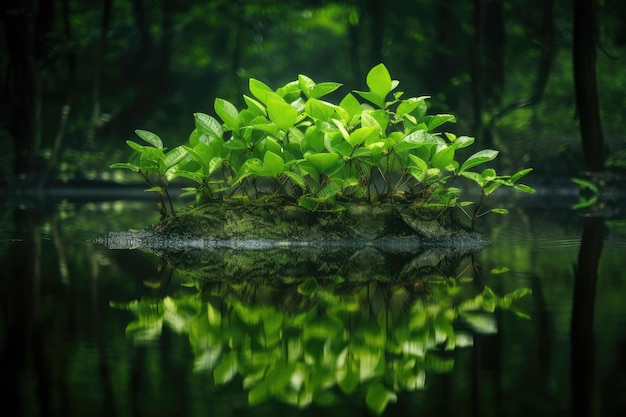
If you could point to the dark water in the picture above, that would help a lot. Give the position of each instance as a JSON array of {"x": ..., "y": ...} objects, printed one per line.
[{"x": 90, "y": 331}]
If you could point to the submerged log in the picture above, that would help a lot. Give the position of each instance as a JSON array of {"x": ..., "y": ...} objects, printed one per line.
[{"x": 253, "y": 240}]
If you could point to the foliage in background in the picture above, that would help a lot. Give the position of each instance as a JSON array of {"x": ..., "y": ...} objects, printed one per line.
[
  {"x": 290, "y": 143},
  {"x": 194, "y": 50}
]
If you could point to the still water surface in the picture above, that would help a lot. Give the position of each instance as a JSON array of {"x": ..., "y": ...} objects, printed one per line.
[{"x": 531, "y": 326}]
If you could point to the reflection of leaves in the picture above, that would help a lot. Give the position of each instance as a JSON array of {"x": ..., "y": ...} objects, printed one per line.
[
  {"x": 378, "y": 397},
  {"x": 481, "y": 323},
  {"x": 473, "y": 310},
  {"x": 372, "y": 340},
  {"x": 347, "y": 374},
  {"x": 226, "y": 369}
]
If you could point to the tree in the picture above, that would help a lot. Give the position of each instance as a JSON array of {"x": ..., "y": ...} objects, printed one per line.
[
  {"x": 585, "y": 85},
  {"x": 19, "y": 83}
]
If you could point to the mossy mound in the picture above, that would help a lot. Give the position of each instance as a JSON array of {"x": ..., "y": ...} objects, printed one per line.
[
  {"x": 235, "y": 241},
  {"x": 360, "y": 222}
]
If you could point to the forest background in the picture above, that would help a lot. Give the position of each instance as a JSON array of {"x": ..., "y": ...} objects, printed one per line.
[{"x": 80, "y": 76}]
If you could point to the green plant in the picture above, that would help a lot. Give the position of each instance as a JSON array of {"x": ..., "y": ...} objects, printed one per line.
[
  {"x": 289, "y": 143},
  {"x": 155, "y": 165}
]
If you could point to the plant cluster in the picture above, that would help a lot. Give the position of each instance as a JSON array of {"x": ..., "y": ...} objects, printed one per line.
[{"x": 373, "y": 145}]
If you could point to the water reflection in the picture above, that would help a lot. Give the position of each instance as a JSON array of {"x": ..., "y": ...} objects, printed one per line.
[
  {"x": 315, "y": 340},
  {"x": 63, "y": 349},
  {"x": 582, "y": 339}
]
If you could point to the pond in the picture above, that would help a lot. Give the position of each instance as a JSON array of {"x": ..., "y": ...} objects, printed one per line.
[{"x": 533, "y": 324}]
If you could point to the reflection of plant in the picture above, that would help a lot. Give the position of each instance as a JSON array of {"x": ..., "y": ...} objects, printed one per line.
[
  {"x": 373, "y": 339},
  {"x": 290, "y": 142},
  {"x": 588, "y": 194}
]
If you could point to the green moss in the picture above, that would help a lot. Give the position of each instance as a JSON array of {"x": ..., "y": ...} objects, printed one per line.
[{"x": 256, "y": 220}]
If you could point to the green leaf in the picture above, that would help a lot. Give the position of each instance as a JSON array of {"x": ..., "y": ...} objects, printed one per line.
[
  {"x": 373, "y": 97},
  {"x": 214, "y": 164},
  {"x": 342, "y": 129},
  {"x": 359, "y": 135},
  {"x": 361, "y": 153},
  {"x": 198, "y": 153},
  {"x": 382, "y": 117},
  {"x": 368, "y": 120},
  {"x": 474, "y": 176},
  {"x": 499, "y": 211},
  {"x": 524, "y": 188},
  {"x": 423, "y": 137},
  {"x": 520, "y": 174},
  {"x": 208, "y": 125},
  {"x": 489, "y": 189},
  {"x": 419, "y": 168},
  {"x": 125, "y": 165},
  {"x": 379, "y": 81},
  {"x": 274, "y": 163},
  {"x": 135, "y": 146},
  {"x": 408, "y": 105},
  {"x": 443, "y": 157},
  {"x": 150, "y": 159},
  {"x": 489, "y": 174},
  {"x": 318, "y": 109},
  {"x": 174, "y": 160},
  {"x": 175, "y": 156},
  {"x": 254, "y": 106},
  {"x": 331, "y": 189},
  {"x": 297, "y": 178},
  {"x": 324, "y": 163},
  {"x": 281, "y": 113},
  {"x": 323, "y": 89},
  {"x": 306, "y": 85},
  {"x": 351, "y": 105},
  {"x": 437, "y": 120},
  {"x": 196, "y": 137},
  {"x": 309, "y": 203},
  {"x": 150, "y": 137},
  {"x": 227, "y": 112},
  {"x": 478, "y": 158},
  {"x": 235, "y": 144},
  {"x": 290, "y": 91},
  {"x": 260, "y": 90},
  {"x": 463, "y": 142}
]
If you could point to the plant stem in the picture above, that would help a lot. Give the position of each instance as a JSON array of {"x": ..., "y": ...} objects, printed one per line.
[{"x": 476, "y": 215}]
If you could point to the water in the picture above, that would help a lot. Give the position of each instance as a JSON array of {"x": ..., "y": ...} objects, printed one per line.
[{"x": 87, "y": 330}]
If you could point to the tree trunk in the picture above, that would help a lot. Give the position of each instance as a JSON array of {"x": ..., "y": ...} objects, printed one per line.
[
  {"x": 487, "y": 59},
  {"x": 69, "y": 95},
  {"x": 18, "y": 89},
  {"x": 584, "y": 57},
  {"x": 547, "y": 41},
  {"x": 143, "y": 28},
  {"x": 376, "y": 11},
  {"x": 96, "y": 114}
]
